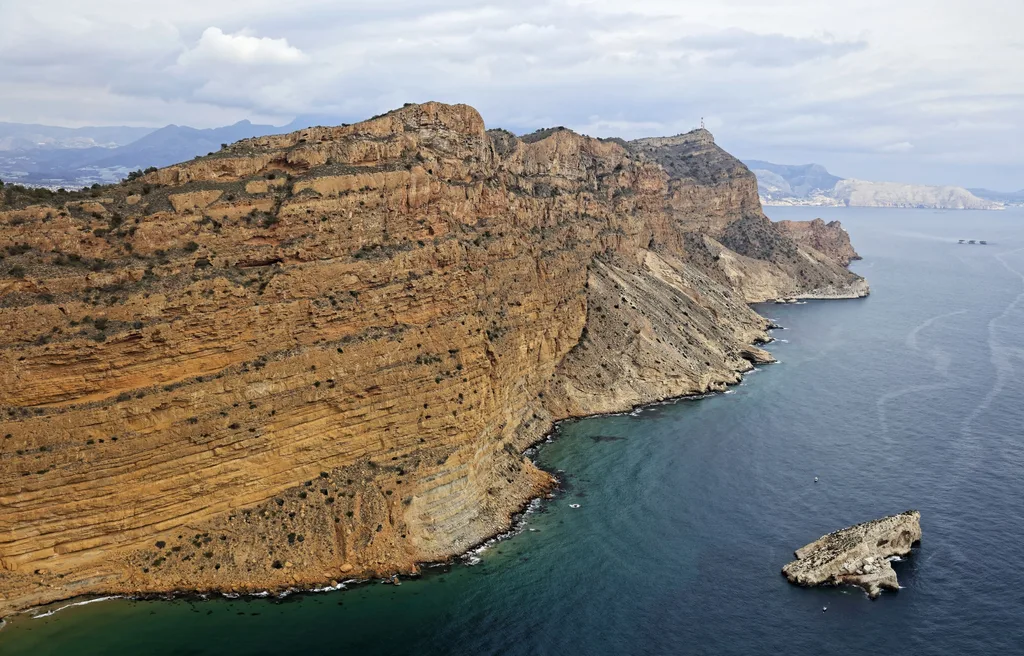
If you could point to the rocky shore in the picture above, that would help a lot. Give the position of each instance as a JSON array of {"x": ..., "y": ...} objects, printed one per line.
[
  {"x": 321, "y": 355},
  {"x": 858, "y": 555}
]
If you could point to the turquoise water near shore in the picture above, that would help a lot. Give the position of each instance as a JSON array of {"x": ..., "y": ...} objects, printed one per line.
[{"x": 910, "y": 398}]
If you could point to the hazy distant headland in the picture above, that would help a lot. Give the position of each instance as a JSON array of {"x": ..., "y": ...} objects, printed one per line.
[{"x": 812, "y": 184}]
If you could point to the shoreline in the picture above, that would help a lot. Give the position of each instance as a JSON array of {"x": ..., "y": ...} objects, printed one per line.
[
  {"x": 840, "y": 205},
  {"x": 516, "y": 523}
]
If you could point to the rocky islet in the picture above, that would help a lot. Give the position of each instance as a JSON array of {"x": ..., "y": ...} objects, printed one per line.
[{"x": 858, "y": 555}]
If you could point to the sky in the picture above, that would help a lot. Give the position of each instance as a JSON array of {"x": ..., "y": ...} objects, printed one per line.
[{"x": 920, "y": 91}]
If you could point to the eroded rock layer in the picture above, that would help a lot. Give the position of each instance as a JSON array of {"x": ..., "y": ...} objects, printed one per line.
[
  {"x": 828, "y": 238},
  {"x": 322, "y": 354},
  {"x": 857, "y": 555}
]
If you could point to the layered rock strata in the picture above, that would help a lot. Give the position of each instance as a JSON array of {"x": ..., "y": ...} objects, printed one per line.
[
  {"x": 828, "y": 238},
  {"x": 857, "y": 555},
  {"x": 322, "y": 354}
]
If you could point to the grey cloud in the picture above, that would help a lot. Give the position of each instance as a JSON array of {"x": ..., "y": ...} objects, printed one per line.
[
  {"x": 633, "y": 70},
  {"x": 734, "y": 46}
]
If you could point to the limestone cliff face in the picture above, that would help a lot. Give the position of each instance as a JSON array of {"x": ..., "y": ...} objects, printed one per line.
[
  {"x": 827, "y": 238},
  {"x": 322, "y": 354}
]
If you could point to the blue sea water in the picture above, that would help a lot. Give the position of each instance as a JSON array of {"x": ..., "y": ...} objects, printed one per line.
[{"x": 910, "y": 398}]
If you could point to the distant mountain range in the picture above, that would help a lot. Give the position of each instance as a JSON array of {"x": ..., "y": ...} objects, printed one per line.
[
  {"x": 787, "y": 180},
  {"x": 23, "y": 136},
  {"x": 55, "y": 157},
  {"x": 1010, "y": 198},
  {"x": 77, "y": 157},
  {"x": 812, "y": 184}
]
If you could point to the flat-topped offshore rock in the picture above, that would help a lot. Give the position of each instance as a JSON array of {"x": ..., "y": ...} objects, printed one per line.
[{"x": 857, "y": 555}]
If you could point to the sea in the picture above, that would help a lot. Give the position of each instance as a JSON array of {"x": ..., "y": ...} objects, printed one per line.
[{"x": 675, "y": 520}]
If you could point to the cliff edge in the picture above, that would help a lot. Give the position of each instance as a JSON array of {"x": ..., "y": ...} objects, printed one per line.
[
  {"x": 828, "y": 238},
  {"x": 321, "y": 354}
]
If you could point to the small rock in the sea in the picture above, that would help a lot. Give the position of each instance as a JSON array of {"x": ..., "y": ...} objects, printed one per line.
[
  {"x": 606, "y": 438},
  {"x": 574, "y": 505},
  {"x": 857, "y": 555}
]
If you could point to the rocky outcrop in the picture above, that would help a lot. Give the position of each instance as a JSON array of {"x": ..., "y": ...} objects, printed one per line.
[
  {"x": 830, "y": 239},
  {"x": 324, "y": 352},
  {"x": 857, "y": 555}
]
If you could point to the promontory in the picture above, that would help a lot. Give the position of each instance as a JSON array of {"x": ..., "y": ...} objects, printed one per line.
[{"x": 322, "y": 354}]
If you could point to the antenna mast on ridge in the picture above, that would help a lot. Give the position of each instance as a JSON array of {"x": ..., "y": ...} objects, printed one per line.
[{"x": 701, "y": 122}]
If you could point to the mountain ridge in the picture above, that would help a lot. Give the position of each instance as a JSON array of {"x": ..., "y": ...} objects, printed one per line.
[
  {"x": 24, "y": 136},
  {"x": 87, "y": 163},
  {"x": 1008, "y": 197}
]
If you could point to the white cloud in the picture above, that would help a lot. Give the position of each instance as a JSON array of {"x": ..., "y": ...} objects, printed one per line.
[
  {"x": 216, "y": 47},
  {"x": 735, "y": 46},
  {"x": 848, "y": 84}
]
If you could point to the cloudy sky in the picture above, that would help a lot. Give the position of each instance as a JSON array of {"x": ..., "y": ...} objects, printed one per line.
[{"x": 928, "y": 91}]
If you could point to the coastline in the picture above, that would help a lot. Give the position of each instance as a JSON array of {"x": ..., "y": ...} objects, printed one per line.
[
  {"x": 515, "y": 522},
  {"x": 839, "y": 204},
  {"x": 318, "y": 366},
  {"x": 684, "y": 504},
  {"x": 503, "y": 521}
]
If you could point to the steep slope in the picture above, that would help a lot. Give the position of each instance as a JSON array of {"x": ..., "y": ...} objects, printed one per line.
[
  {"x": 321, "y": 354},
  {"x": 829, "y": 238}
]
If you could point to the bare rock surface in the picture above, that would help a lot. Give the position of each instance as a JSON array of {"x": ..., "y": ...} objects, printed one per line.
[
  {"x": 830, "y": 239},
  {"x": 857, "y": 555}
]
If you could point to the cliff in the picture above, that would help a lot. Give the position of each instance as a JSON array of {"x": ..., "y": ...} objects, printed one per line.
[
  {"x": 321, "y": 354},
  {"x": 828, "y": 238}
]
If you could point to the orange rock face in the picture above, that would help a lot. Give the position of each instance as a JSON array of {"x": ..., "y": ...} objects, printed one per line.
[
  {"x": 828, "y": 238},
  {"x": 323, "y": 353}
]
